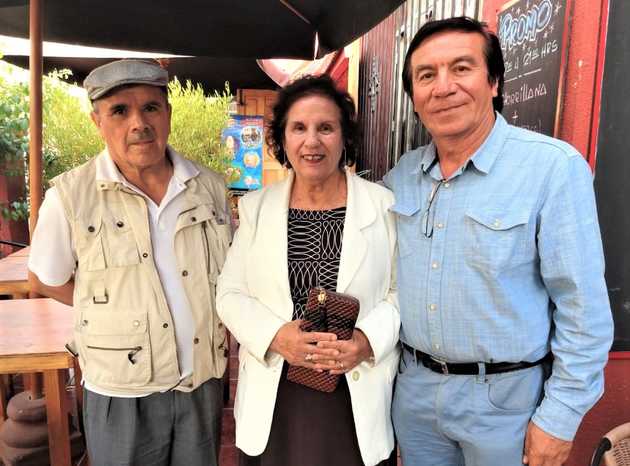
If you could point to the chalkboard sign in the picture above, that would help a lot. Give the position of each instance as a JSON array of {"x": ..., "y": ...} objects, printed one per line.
[{"x": 531, "y": 35}]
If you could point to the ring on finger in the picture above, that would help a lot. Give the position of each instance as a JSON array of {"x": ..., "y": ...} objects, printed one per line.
[
  {"x": 340, "y": 364},
  {"x": 308, "y": 357}
]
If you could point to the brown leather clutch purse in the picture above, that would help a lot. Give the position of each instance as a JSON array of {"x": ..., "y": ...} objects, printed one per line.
[{"x": 326, "y": 311}]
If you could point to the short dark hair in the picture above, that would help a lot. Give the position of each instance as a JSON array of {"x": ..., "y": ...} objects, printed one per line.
[
  {"x": 492, "y": 51},
  {"x": 307, "y": 86},
  {"x": 125, "y": 86}
]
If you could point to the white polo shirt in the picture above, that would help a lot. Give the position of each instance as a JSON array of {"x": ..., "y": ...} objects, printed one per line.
[{"x": 54, "y": 266}]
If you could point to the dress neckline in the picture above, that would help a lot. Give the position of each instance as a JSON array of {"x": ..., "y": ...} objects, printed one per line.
[{"x": 336, "y": 209}]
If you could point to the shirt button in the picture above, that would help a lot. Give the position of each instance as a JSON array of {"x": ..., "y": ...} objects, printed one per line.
[
  {"x": 91, "y": 229},
  {"x": 436, "y": 346},
  {"x": 432, "y": 307},
  {"x": 161, "y": 226},
  {"x": 497, "y": 223},
  {"x": 356, "y": 376},
  {"x": 120, "y": 224},
  {"x": 434, "y": 265},
  {"x": 185, "y": 273},
  {"x": 145, "y": 255},
  {"x": 220, "y": 325},
  {"x": 193, "y": 219},
  {"x": 165, "y": 325},
  {"x": 85, "y": 322},
  {"x": 196, "y": 340},
  {"x": 136, "y": 323},
  {"x": 440, "y": 225},
  {"x": 446, "y": 185}
]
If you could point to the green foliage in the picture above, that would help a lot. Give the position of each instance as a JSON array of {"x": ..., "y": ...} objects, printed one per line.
[
  {"x": 13, "y": 140},
  {"x": 13, "y": 121},
  {"x": 197, "y": 123},
  {"x": 70, "y": 138},
  {"x": 16, "y": 210}
]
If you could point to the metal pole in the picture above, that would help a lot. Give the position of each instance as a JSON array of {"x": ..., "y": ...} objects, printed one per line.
[
  {"x": 35, "y": 107},
  {"x": 34, "y": 382}
]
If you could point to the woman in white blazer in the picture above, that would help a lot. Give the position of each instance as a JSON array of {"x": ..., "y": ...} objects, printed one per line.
[{"x": 323, "y": 226}]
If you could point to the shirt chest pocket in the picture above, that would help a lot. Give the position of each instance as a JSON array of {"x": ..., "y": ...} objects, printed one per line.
[
  {"x": 497, "y": 239},
  {"x": 409, "y": 225}
]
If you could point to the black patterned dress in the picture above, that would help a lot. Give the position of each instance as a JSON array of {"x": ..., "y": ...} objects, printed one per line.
[
  {"x": 314, "y": 252},
  {"x": 311, "y": 428}
]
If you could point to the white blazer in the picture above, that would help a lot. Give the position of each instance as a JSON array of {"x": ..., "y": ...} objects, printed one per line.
[{"x": 254, "y": 301}]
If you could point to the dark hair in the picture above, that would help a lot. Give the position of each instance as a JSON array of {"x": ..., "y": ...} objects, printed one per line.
[
  {"x": 492, "y": 51},
  {"x": 307, "y": 86}
]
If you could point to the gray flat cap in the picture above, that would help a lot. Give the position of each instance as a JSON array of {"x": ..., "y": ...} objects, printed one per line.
[{"x": 105, "y": 78}]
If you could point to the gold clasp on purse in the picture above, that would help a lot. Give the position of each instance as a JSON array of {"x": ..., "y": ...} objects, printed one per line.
[{"x": 321, "y": 297}]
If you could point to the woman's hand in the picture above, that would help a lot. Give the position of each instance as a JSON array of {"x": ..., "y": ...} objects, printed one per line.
[
  {"x": 350, "y": 353},
  {"x": 300, "y": 348}
]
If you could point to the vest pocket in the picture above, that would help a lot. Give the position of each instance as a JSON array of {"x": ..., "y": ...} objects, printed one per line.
[
  {"x": 121, "y": 249},
  {"x": 90, "y": 239},
  {"x": 215, "y": 219},
  {"x": 116, "y": 348}
]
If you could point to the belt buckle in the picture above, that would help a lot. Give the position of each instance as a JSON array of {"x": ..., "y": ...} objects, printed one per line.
[{"x": 442, "y": 364}]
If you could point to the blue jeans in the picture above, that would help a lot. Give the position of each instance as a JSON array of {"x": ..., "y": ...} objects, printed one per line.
[{"x": 456, "y": 420}]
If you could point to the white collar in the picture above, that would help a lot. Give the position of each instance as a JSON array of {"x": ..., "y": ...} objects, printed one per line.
[{"x": 106, "y": 169}]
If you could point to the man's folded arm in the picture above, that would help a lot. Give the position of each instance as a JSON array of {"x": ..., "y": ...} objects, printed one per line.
[{"x": 62, "y": 293}]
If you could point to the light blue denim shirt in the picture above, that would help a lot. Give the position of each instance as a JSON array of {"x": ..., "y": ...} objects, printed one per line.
[{"x": 513, "y": 267}]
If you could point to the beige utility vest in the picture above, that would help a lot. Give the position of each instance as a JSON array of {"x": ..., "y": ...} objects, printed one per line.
[{"x": 123, "y": 329}]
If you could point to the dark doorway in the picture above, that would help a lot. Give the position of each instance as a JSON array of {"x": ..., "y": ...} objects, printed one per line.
[{"x": 612, "y": 172}]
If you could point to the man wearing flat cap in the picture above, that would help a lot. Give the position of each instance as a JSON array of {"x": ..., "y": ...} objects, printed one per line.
[{"x": 134, "y": 239}]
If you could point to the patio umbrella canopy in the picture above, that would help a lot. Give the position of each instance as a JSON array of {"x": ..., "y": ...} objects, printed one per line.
[
  {"x": 210, "y": 73},
  {"x": 258, "y": 29},
  {"x": 214, "y": 28}
]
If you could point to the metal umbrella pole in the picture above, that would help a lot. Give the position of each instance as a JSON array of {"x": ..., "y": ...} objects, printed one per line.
[
  {"x": 21, "y": 440},
  {"x": 35, "y": 108}
]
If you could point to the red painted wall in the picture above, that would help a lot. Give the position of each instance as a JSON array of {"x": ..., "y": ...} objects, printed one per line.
[
  {"x": 579, "y": 124},
  {"x": 583, "y": 74},
  {"x": 11, "y": 188},
  {"x": 338, "y": 71},
  {"x": 612, "y": 410}
]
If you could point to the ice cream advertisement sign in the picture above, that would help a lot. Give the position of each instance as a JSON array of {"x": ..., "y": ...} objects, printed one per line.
[{"x": 244, "y": 138}]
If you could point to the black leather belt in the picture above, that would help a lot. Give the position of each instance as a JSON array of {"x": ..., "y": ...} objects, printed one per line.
[{"x": 470, "y": 368}]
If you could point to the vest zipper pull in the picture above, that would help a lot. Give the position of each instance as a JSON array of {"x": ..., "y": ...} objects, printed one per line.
[{"x": 132, "y": 353}]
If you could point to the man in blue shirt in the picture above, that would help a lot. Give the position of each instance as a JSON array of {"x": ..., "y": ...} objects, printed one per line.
[{"x": 506, "y": 323}]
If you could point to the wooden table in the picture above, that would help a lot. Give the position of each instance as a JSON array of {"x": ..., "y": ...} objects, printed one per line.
[
  {"x": 14, "y": 274},
  {"x": 22, "y": 252},
  {"x": 33, "y": 333}
]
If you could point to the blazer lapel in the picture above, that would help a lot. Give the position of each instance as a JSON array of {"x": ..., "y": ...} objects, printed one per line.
[
  {"x": 272, "y": 230},
  {"x": 359, "y": 214}
]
